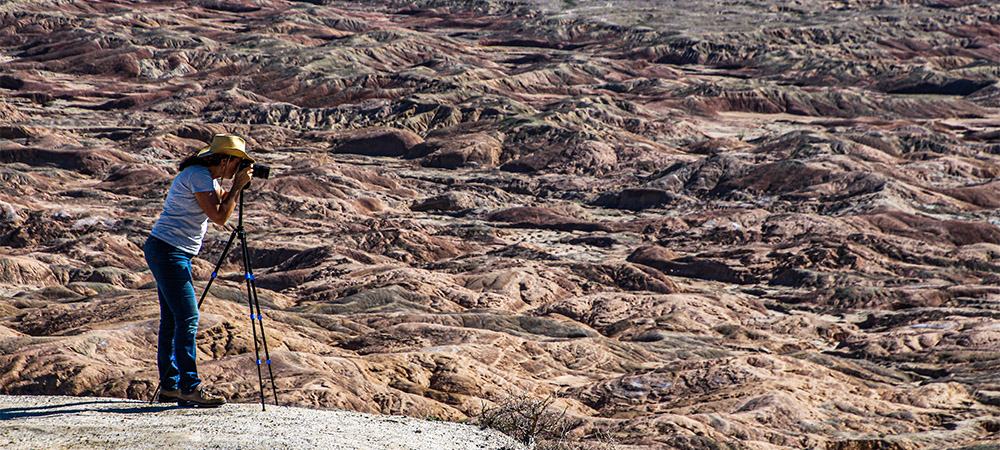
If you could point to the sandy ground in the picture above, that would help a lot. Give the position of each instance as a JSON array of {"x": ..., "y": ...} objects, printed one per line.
[{"x": 45, "y": 422}]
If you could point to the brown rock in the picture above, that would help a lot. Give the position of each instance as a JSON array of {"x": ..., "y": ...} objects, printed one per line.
[
  {"x": 472, "y": 150},
  {"x": 20, "y": 270},
  {"x": 377, "y": 142},
  {"x": 451, "y": 201},
  {"x": 84, "y": 161},
  {"x": 535, "y": 217}
]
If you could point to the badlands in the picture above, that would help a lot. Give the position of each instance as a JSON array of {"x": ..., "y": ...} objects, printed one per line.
[{"x": 680, "y": 224}]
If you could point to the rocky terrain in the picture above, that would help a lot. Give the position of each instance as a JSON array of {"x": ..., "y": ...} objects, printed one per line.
[{"x": 688, "y": 224}]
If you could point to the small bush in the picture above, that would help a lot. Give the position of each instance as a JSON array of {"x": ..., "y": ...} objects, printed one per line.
[{"x": 535, "y": 423}]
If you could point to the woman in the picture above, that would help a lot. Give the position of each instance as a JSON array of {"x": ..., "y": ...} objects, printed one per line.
[{"x": 195, "y": 197}]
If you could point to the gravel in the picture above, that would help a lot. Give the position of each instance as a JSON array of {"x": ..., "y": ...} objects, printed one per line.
[{"x": 50, "y": 422}]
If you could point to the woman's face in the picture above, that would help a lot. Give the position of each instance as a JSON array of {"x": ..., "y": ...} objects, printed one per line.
[{"x": 229, "y": 167}]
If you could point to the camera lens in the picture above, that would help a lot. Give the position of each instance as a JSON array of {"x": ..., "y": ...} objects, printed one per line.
[{"x": 261, "y": 171}]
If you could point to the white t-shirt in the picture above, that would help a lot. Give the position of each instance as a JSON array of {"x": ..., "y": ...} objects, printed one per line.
[{"x": 183, "y": 223}]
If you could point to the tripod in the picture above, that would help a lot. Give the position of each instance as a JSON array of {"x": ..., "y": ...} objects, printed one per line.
[{"x": 253, "y": 302}]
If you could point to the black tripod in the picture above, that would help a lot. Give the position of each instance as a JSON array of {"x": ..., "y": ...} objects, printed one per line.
[{"x": 251, "y": 300}]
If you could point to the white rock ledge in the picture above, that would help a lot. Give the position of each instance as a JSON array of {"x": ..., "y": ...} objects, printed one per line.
[{"x": 48, "y": 422}]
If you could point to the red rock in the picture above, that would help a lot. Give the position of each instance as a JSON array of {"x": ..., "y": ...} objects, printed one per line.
[
  {"x": 84, "y": 161},
  {"x": 534, "y": 217},
  {"x": 377, "y": 142}
]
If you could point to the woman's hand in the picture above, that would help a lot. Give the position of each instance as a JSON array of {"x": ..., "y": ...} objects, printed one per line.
[{"x": 242, "y": 178}]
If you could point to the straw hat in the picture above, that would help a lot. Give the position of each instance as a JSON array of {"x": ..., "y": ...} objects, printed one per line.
[{"x": 226, "y": 144}]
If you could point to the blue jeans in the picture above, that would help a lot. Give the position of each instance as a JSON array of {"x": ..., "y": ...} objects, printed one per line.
[{"x": 175, "y": 348}]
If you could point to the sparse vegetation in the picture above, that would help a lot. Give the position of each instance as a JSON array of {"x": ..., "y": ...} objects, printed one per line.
[
  {"x": 538, "y": 424},
  {"x": 527, "y": 419}
]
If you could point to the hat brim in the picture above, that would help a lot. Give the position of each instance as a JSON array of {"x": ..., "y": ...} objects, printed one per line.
[{"x": 225, "y": 151}]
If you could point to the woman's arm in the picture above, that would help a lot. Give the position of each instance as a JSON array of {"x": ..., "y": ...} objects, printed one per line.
[{"x": 219, "y": 205}]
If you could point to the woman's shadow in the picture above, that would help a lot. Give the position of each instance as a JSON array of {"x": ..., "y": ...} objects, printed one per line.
[{"x": 123, "y": 407}]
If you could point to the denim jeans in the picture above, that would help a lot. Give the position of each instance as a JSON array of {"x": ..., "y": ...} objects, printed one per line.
[{"x": 175, "y": 347}]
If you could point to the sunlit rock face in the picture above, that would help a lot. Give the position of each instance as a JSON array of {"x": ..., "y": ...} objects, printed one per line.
[{"x": 745, "y": 225}]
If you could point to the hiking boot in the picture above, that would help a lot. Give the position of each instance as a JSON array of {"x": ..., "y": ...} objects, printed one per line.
[
  {"x": 199, "y": 399},
  {"x": 168, "y": 396}
]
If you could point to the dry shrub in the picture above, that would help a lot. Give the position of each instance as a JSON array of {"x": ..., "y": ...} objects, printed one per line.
[{"x": 535, "y": 423}]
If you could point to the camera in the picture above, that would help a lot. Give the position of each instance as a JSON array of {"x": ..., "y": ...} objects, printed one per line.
[{"x": 259, "y": 170}]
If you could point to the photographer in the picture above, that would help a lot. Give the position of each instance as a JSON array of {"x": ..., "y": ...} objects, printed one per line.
[{"x": 195, "y": 197}]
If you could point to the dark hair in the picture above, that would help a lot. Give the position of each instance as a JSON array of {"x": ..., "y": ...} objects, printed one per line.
[{"x": 206, "y": 161}]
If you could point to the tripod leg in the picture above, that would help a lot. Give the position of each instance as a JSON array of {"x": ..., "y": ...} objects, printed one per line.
[
  {"x": 263, "y": 337},
  {"x": 155, "y": 393},
  {"x": 253, "y": 325},
  {"x": 215, "y": 272}
]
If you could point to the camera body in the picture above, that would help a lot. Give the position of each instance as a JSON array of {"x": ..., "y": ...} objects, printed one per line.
[{"x": 259, "y": 170}]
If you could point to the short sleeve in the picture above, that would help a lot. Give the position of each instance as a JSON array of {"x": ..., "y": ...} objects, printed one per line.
[{"x": 201, "y": 181}]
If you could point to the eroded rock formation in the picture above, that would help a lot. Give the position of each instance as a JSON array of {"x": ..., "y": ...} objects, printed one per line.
[{"x": 693, "y": 224}]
